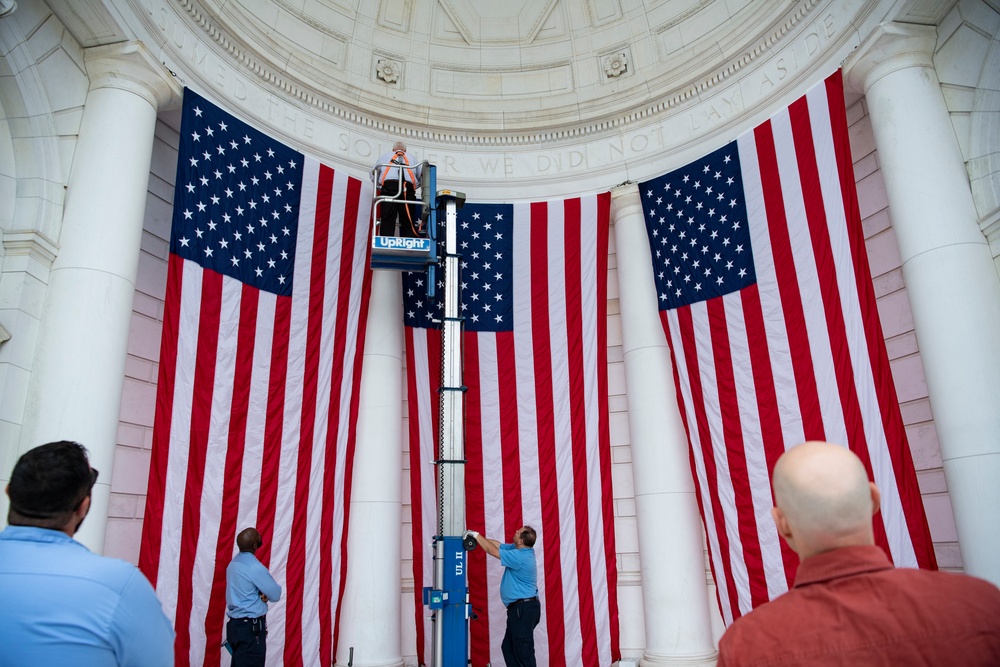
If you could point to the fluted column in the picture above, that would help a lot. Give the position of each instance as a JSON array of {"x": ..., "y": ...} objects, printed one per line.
[
  {"x": 370, "y": 620},
  {"x": 77, "y": 375},
  {"x": 674, "y": 590},
  {"x": 948, "y": 270}
]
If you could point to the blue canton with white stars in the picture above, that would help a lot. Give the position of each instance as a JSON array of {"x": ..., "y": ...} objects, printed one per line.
[
  {"x": 485, "y": 245},
  {"x": 699, "y": 239},
  {"x": 236, "y": 201}
]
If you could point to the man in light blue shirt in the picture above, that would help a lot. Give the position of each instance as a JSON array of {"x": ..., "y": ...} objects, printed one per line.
[
  {"x": 519, "y": 593},
  {"x": 249, "y": 587},
  {"x": 61, "y": 603}
]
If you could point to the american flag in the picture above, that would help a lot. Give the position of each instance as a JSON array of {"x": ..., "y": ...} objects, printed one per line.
[
  {"x": 263, "y": 333},
  {"x": 768, "y": 305},
  {"x": 534, "y": 302}
]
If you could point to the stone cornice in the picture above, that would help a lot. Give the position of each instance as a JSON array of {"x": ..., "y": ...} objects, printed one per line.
[
  {"x": 991, "y": 230},
  {"x": 129, "y": 66},
  {"x": 890, "y": 47},
  {"x": 31, "y": 244},
  {"x": 673, "y": 100}
]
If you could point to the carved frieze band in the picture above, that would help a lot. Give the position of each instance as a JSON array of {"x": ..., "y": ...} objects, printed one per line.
[{"x": 312, "y": 98}]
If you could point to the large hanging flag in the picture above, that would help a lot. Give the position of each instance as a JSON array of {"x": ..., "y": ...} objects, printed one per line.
[
  {"x": 768, "y": 306},
  {"x": 260, "y": 361},
  {"x": 534, "y": 295}
]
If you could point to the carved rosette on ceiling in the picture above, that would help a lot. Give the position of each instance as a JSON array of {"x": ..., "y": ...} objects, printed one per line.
[
  {"x": 388, "y": 70},
  {"x": 616, "y": 64},
  {"x": 482, "y": 107}
]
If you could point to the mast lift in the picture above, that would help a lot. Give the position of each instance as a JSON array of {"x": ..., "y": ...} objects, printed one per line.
[{"x": 448, "y": 598}]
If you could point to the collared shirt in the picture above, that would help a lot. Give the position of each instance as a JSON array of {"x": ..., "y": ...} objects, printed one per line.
[
  {"x": 61, "y": 604},
  {"x": 850, "y": 606},
  {"x": 246, "y": 579},
  {"x": 520, "y": 578},
  {"x": 411, "y": 170}
]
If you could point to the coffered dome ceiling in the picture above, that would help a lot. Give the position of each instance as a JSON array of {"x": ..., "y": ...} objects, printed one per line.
[{"x": 468, "y": 69}]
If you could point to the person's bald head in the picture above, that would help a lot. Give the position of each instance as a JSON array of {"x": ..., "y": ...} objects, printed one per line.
[
  {"x": 823, "y": 498},
  {"x": 399, "y": 146},
  {"x": 249, "y": 540}
]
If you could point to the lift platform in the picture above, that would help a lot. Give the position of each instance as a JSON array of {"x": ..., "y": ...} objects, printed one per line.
[{"x": 399, "y": 253}]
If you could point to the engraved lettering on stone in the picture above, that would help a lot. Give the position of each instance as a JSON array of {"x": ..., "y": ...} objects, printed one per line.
[
  {"x": 362, "y": 148},
  {"x": 723, "y": 107},
  {"x": 798, "y": 54},
  {"x": 615, "y": 150},
  {"x": 489, "y": 167}
]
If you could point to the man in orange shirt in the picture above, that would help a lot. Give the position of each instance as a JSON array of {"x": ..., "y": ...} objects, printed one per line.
[{"x": 849, "y": 605}]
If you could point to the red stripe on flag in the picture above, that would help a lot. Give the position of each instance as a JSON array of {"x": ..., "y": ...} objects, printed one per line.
[
  {"x": 545, "y": 427},
  {"x": 330, "y": 490},
  {"x": 733, "y": 447},
  {"x": 686, "y": 326},
  {"x": 603, "y": 428},
  {"x": 510, "y": 444},
  {"x": 768, "y": 415},
  {"x": 349, "y": 268},
  {"x": 788, "y": 286},
  {"x": 273, "y": 426},
  {"x": 682, "y": 409},
  {"x": 475, "y": 506},
  {"x": 830, "y": 293},
  {"x": 416, "y": 494},
  {"x": 246, "y": 339},
  {"x": 578, "y": 428},
  {"x": 152, "y": 523},
  {"x": 201, "y": 422},
  {"x": 892, "y": 421},
  {"x": 295, "y": 572},
  {"x": 419, "y": 477}
]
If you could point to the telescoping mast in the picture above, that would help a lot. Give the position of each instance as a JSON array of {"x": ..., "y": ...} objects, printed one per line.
[{"x": 448, "y": 598}]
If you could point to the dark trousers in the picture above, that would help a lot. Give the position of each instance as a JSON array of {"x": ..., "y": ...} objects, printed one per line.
[
  {"x": 391, "y": 213},
  {"x": 519, "y": 641},
  {"x": 247, "y": 638}
]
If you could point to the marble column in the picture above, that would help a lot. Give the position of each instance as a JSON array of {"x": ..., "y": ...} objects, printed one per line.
[
  {"x": 77, "y": 376},
  {"x": 370, "y": 619},
  {"x": 948, "y": 270},
  {"x": 674, "y": 587}
]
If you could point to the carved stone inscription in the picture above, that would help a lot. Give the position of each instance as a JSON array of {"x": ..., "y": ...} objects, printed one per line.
[{"x": 187, "y": 49}]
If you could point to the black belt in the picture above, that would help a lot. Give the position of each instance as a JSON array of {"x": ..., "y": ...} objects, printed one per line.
[
  {"x": 517, "y": 602},
  {"x": 257, "y": 623}
]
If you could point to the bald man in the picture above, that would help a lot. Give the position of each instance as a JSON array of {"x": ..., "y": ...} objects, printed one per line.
[
  {"x": 249, "y": 587},
  {"x": 849, "y": 605}
]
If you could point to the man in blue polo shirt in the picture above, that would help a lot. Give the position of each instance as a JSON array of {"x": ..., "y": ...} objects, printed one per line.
[
  {"x": 62, "y": 604},
  {"x": 519, "y": 593},
  {"x": 249, "y": 587}
]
